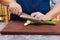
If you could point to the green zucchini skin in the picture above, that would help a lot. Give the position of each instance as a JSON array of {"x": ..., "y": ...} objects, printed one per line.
[{"x": 43, "y": 22}]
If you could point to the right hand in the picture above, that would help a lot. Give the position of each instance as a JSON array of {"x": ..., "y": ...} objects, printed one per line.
[{"x": 15, "y": 8}]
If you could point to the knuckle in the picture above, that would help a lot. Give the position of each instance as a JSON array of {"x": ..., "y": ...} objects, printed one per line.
[{"x": 37, "y": 12}]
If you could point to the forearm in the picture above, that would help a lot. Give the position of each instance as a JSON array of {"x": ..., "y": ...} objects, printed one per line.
[
  {"x": 7, "y": 2},
  {"x": 54, "y": 11}
]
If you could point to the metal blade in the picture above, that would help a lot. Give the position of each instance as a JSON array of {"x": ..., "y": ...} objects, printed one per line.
[{"x": 26, "y": 16}]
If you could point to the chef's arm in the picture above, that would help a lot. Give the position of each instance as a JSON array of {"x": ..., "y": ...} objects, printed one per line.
[
  {"x": 7, "y": 2},
  {"x": 54, "y": 11},
  {"x": 13, "y": 6}
]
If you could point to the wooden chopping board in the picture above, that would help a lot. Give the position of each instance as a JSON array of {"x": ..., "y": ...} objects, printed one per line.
[{"x": 17, "y": 27}]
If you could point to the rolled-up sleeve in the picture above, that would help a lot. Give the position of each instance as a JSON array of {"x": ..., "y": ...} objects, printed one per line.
[{"x": 55, "y": 1}]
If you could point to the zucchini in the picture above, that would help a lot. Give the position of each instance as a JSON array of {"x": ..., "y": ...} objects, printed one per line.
[{"x": 29, "y": 22}]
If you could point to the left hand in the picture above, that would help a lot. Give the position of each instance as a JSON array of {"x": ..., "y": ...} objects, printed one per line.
[
  {"x": 45, "y": 18},
  {"x": 40, "y": 16}
]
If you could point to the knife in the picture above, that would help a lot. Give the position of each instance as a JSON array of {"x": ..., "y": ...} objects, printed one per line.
[{"x": 26, "y": 16}]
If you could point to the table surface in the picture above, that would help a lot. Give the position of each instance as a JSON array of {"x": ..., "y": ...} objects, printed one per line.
[
  {"x": 26, "y": 37},
  {"x": 17, "y": 27}
]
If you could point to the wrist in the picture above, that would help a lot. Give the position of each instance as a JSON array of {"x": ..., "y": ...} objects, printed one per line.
[{"x": 48, "y": 17}]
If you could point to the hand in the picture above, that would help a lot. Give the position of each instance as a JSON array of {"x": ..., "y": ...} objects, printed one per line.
[
  {"x": 40, "y": 16},
  {"x": 37, "y": 15},
  {"x": 45, "y": 18},
  {"x": 15, "y": 8}
]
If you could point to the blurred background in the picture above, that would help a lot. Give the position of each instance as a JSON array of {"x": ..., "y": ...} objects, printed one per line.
[{"x": 5, "y": 14}]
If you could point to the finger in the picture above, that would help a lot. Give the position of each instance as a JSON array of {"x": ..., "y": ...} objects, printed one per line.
[
  {"x": 16, "y": 11},
  {"x": 11, "y": 10},
  {"x": 42, "y": 18},
  {"x": 19, "y": 11},
  {"x": 37, "y": 16},
  {"x": 34, "y": 14}
]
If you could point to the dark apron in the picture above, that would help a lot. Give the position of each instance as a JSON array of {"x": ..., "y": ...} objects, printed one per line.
[{"x": 30, "y": 6}]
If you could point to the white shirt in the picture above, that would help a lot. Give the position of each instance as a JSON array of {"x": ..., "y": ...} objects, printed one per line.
[{"x": 54, "y": 1}]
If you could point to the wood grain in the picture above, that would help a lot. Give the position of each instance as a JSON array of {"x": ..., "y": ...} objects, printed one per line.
[{"x": 17, "y": 27}]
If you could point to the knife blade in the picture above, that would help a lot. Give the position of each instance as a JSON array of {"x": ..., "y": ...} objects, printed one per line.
[{"x": 26, "y": 16}]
